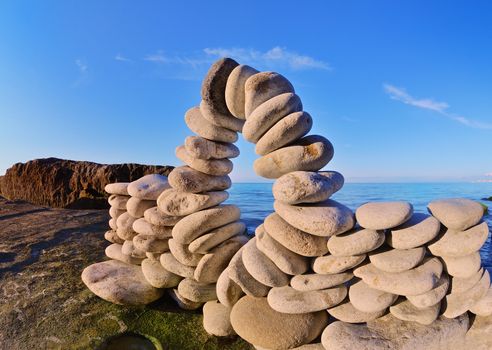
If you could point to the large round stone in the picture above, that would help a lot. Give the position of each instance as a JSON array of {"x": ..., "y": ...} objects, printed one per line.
[
  {"x": 417, "y": 231},
  {"x": 367, "y": 299},
  {"x": 217, "y": 319},
  {"x": 215, "y": 167},
  {"x": 306, "y": 186},
  {"x": 234, "y": 91},
  {"x": 201, "y": 148},
  {"x": 397, "y": 260},
  {"x": 120, "y": 283},
  {"x": 327, "y": 218},
  {"x": 460, "y": 243},
  {"x": 383, "y": 215},
  {"x": 315, "y": 281},
  {"x": 346, "y": 312},
  {"x": 356, "y": 242},
  {"x": 148, "y": 187},
  {"x": 186, "y": 179},
  {"x": 463, "y": 266},
  {"x": 406, "y": 311},
  {"x": 158, "y": 276},
  {"x": 456, "y": 213},
  {"x": 432, "y": 297},
  {"x": 202, "y": 127},
  {"x": 256, "y": 322},
  {"x": 310, "y": 153},
  {"x": 330, "y": 264}
]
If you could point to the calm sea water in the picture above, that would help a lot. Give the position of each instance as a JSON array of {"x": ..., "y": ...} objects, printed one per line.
[{"x": 256, "y": 200}]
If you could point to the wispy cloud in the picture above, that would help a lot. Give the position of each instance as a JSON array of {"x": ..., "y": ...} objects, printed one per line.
[
  {"x": 121, "y": 58},
  {"x": 81, "y": 65},
  {"x": 400, "y": 94},
  {"x": 161, "y": 58},
  {"x": 83, "y": 70}
]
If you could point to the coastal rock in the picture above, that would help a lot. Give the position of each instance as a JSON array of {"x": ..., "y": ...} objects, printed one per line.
[
  {"x": 169, "y": 262},
  {"x": 456, "y": 214},
  {"x": 136, "y": 206},
  {"x": 148, "y": 187},
  {"x": 286, "y": 260},
  {"x": 186, "y": 179},
  {"x": 157, "y": 217},
  {"x": 286, "y": 130},
  {"x": 202, "y": 127},
  {"x": 397, "y": 260},
  {"x": 217, "y": 319},
  {"x": 212, "y": 239},
  {"x": 158, "y": 276},
  {"x": 484, "y": 306},
  {"x": 355, "y": 242},
  {"x": 406, "y": 311},
  {"x": 310, "y": 153},
  {"x": 119, "y": 283},
  {"x": 261, "y": 87},
  {"x": 234, "y": 90},
  {"x": 383, "y": 215},
  {"x": 129, "y": 249},
  {"x": 417, "y": 231},
  {"x": 314, "y": 281},
  {"x": 150, "y": 243},
  {"x": 330, "y": 264},
  {"x": 196, "y": 291},
  {"x": 113, "y": 237},
  {"x": 228, "y": 291},
  {"x": 182, "y": 253},
  {"x": 346, "y": 312},
  {"x": 177, "y": 203},
  {"x": 324, "y": 219},
  {"x": 193, "y": 226},
  {"x": 298, "y": 241},
  {"x": 460, "y": 243},
  {"x": 370, "y": 300},
  {"x": 114, "y": 252},
  {"x": 432, "y": 297},
  {"x": 120, "y": 188},
  {"x": 141, "y": 226},
  {"x": 255, "y": 321},
  {"x": 306, "y": 187},
  {"x": 118, "y": 202},
  {"x": 412, "y": 282},
  {"x": 200, "y": 148},
  {"x": 241, "y": 276},
  {"x": 464, "y": 266},
  {"x": 124, "y": 226},
  {"x": 215, "y": 167},
  {"x": 261, "y": 267},
  {"x": 290, "y": 301}
]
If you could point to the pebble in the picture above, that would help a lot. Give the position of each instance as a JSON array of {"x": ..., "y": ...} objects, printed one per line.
[
  {"x": 200, "y": 148},
  {"x": 325, "y": 219},
  {"x": 383, "y": 215},
  {"x": 417, "y": 231},
  {"x": 157, "y": 217},
  {"x": 460, "y": 243},
  {"x": 169, "y": 262},
  {"x": 150, "y": 243},
  {"x": 255, "y": 321},
  {"x": 112, "y": 224},
  {"x": 291, "y": 301},
  {"x": 202, "y": 127},
  {"x": 464, "y": 266},
  {"x": 355, "y": 242},
  {"x": 241, "y": 276},
  {"x": 125, "y": 227},
  {"x": 461, "y": 285},
  {"x": 397, "y": 260},
  {"x": 128, "y": 248},
  {"x": 226, "y": 121},
  {"x": 228, "y": 291},
  {"x": 176, "y": 203},
  {"x": 158, "y": 276},
  {"x": 370, "y": 300},
  {"x": 346, "y": 312},
  {"x": 113, "y": 237},
  {"x": 314, "y": 281},
  {"x": 183, "y": 254},
  {"x": 234, "y": 91},
  {"x": 115, "y": 212},
  {"x": 217, "y": 319},
  {"x": 118, "y": 201},
  {"x": 136, "y": 206},
  {"x": 330, "y": 264},
  {"x": 215, "y": 167},
  {"x": 311, "y": 153},
  {"x": 153, "y": 256},
  {"x": 406, "y": 311},
  {"x": 113, "y": 251},
  {"x": 142, "y": 226},
  {"x": 148, "y": 187},
  {"x": 182, "y": 302},
  {"x": 307, "y": 186},
  {"x": 205, "y": 243},
  {"x": 120, "y": 188},
  {"x": 432, "y": 297},
  {"x": 457, "y": 214},
  {"x": 186, "y": 179},
  {"x": 196, "y": 291}
]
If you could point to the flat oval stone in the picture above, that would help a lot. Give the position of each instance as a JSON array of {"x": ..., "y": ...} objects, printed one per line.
[
  {"x": 306, "y": 186},
  {"x": 124, "y": 226},
  {"x": 157, "y": 217},
  {"x": 141, "y": 226},
  {"x": 286, "y": 260},
  {"x": 456, "y": 213},
  {"x": 128, "y": 248},
  {"x": 150, "y": 243},
  {"x": 412, "y": 282},
  {"x": 346, "y": 312},
  {"x": 298, "y": 241},
  {"x": 113, "y": 237},
  {"x": 148, "y": 187},
  {"x": 212, "y": 264},
  {"x": 460, "y": 243},
  {"x": 383, "y": 215},
  {"x": 202, "y": 127},
  {"x": 118, "y": 201},
  {"x": 311, "y": 153},
  {"x": 432, "y": 297},
  {"x": 291, "y": 301},
  {"x": 182, "y": 253},
  {"x": 196, "y": 291},
  {"x": 208, "y": 241},
  {"x": 120, "y": 283},
  {"x": 417, "y": 231},
  {"x": 367, "y": 299},
  {"x": 196, "y": 224},
  {"x": 459, "y": 303},
  {"x": 314, "y": 281},
  {"x": 115, "y": 212},
  {"x": 287, "y": 130},
  {"x": 234, "y": 91},
  {"x": 182, "y": 302},
  {"x": 200, "y": 148},
  {"x": 136, "y": 206},
  {"x": 216, "y": 167},
  {"x": 169, "y": 262},
  {"x": 464, "y": 266},
  {"x": 355, "y": 242},
  {"x": 261, "y": 87},
  {"x": 158, "y": 276},
  {"x": 397, "y": 260},
  {"x": 228, "y": 291},
  {"x": 241, "y": 276},
  {"x": 186, "y": 179},
  {"x": 114, "y": 252},
  {"x": 217, "y": 319},
  {"x": 406, "y": 311},
  {"x": 112, "y": 224},
  {"x": 261, "y": 267},
  {"x": 484, "y": 306},
  {"x": 325, "y": 219},
  {"x": 461, "y": 285},
  {"x": 153, "y": 256},
  {"x": 227, "y": 121},
  {"x": 177, "y": 203},
  {"x": 255, "y": 321},
  {"x": 120, "y": 188},
  {"x": 330, "y": 264}
]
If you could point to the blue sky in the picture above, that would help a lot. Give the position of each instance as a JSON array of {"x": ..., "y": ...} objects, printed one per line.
[{"x": 402, "y": 88}]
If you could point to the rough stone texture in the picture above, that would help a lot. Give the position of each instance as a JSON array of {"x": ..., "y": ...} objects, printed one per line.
[
  {"x": 460, "y": 243},
  {"x": 464, "y": 266},
  {"x": 148, "y": 187},
  {"x": 196, "y": 291},
  {"x": 367, "y": 299},
  {"x": 177, "y": 203},
  {"x": 355, "y": 242},
  {"x": 433, "y": 296},
  {"x": 215, "y": 167},
  {"x": 72, "y": 184},
  {"x": 255, "y": 321},
  {"x": 406, "y": 311},
  {"x": 397, "y": 260},
  {"x": 383, "y": 215},
  {"x": 331, "y": 264},
  {"x": 201, "y": 148},
  {"x": 418, "y": 230},
  {"x": 346, "y": 312},
  {"x": 456, "y": 213},
  {"x": 315, "y": 281},
  {"x": 186, "y": 179},
  {"x": 114, "y": 251},
  {"x": 136, "y": 207}
]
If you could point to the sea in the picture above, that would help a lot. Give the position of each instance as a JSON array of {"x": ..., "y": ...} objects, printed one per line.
[{"x": 256, "y": 200}]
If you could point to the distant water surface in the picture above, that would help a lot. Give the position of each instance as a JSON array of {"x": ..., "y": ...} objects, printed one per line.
[{"x": 256, "y": 200}]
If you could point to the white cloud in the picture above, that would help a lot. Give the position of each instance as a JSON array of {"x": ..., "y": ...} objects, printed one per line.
[
  {"x": 120, "y": 57},
  {"x": 81, "y": 65},
  {"x": 83, "y": 76},
  {"x": 400, "y": 94}
]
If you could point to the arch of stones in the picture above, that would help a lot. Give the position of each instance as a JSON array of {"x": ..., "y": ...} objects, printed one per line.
[{"x": 313, "y": 270}]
